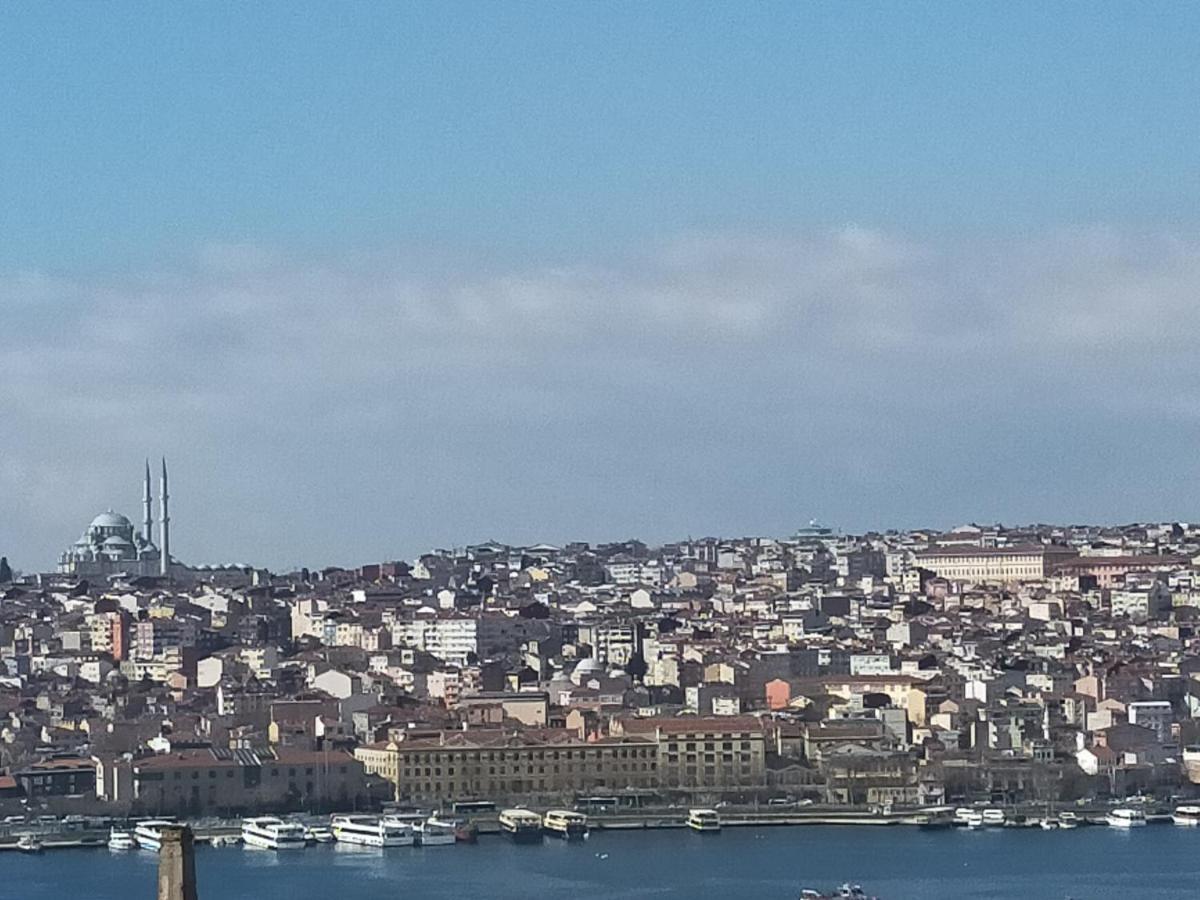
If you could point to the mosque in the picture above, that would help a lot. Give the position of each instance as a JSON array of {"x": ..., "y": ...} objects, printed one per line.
[{"x": 111, "y": 544}]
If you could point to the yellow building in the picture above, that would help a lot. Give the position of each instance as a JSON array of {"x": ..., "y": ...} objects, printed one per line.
[{"x": 497, "y": 763}]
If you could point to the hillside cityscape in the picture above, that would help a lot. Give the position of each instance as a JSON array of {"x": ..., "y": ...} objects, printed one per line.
[{"x": 875, "y": 672}]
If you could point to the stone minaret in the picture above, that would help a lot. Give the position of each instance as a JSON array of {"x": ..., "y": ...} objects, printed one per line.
[
  {"x": 147, "y": 507},
  {"x": 164, "y": 524},
  {"x": 177, "y": 864}
]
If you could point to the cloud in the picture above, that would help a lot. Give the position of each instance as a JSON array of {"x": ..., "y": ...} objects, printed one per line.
[{"x": 367, "y": 406}]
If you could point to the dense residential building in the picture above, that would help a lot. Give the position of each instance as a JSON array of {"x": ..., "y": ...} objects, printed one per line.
[{"x": 887, "y": 669}]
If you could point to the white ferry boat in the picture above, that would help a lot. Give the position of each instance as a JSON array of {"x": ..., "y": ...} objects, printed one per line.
[
  {"x": 993, "y": 818},
  {"x": 29, "y": 844},
  {"x": 148, "y": 833},
  {"x": 1125, "y": 818},
  {"x": 272, "y": 833},
  {"x": 1186, "y": 815},
  {"x": 565, "y": 823},
  {"x": 371, "y": 831},
  {"x": 121, "y": 840},
  {"x": 521, "y": 826},
  {"x": 973, "y": 819},
  {"x": 703, "y": 820},
  {"x": 435, "y": 832}
]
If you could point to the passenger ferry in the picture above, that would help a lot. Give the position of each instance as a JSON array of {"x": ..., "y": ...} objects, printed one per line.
[
  {"x": 435, "y": 832},
  {"x": 973, "y": 819},
  {"x": 565, "y": 823},
  {"x": 121, "y": 840},
  {"x": 148, "y": 833},
  {"x": 993, "y": 818},
  {"x": 272, "y": 833},
  {"x": 1125, "y": 818},
  {"x": 1068, "y": 819},
  {"x": 29, "y": 844},
  {"x": 1186, "y": 815},
  {"x": 703, "y": 820},
  {"x": 521, "y": 826},
  {"x": 371, "y": 831}
]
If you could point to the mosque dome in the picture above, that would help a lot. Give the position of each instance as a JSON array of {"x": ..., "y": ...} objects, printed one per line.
[
  {"x": 110, "y": 519},
  {"x": 116, "y": 541}
]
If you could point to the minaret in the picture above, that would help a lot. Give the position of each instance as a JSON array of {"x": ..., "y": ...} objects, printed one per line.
[
  {"x": 147, "y": 501},
  {"x": 164, "y": 524}
]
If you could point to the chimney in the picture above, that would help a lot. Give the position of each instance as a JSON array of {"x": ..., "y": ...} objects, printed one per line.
[{"x": 177, "y": 864}]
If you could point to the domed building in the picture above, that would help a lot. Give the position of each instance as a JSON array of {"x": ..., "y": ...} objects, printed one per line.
[{"x": 111, "y": 544}]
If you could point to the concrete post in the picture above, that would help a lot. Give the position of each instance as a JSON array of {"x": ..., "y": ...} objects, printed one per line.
[{"x": 177, "y": 864}]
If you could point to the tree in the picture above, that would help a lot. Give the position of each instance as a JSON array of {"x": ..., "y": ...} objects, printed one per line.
[{"x": 6, "y": 573}]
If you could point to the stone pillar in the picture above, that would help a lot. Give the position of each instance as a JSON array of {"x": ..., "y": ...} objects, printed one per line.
[{"x": 177, "y": 864}]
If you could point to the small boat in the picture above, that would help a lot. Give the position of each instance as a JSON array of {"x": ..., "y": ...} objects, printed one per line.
[
  {"x": 121, "y": 840},
  {"x": 1186, "y": 815},
  {"x": 1068, "y": 820},
  {"x": 521, "y": 826},
  {"x": 993, "y": 818},
  {"x": 319, "y": 834},
  {"x": 1125, "y": 818},
  {"x": 845, "y": 892},
  {"x": 273, "y": 833},
  {"x": 973, "y": 819},
  {"x": 434, "y": 832},
  {"x": 1048, "y": 824},
  {"x": 29, "y": 844},
  {"x": 704, "y": 820},
  {"x": 565, "y": 823},
  {"x": 148, "y": 833}
]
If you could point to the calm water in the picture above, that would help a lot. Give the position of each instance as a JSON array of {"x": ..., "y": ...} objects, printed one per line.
[{"x": 895, "y": 863}]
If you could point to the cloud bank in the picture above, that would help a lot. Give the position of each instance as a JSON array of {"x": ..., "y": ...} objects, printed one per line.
[{"x": 366, "y": 407}]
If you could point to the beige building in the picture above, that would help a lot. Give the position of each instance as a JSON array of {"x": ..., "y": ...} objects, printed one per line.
[
  {"x": 1029, "y": 562},
  {"x": 704, "y": 752},
  {"x": 500, "y": 763}
]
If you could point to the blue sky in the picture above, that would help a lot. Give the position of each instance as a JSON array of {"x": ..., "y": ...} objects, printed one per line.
[{"x": 402, "y": 274}]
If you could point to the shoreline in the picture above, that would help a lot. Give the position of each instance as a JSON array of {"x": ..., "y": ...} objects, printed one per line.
[{"x": 489, "y": 827}]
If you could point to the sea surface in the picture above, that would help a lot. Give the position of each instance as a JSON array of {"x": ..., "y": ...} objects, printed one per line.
[{"x": 897, "y": 863}]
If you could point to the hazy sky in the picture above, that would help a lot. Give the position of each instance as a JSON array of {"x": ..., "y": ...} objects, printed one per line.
[{"x": 382, "y": 277}]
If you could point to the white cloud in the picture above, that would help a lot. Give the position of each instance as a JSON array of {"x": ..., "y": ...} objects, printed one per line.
[{"x": 709, "y": 348}]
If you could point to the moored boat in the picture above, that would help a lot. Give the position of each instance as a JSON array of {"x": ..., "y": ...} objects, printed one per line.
[
  {"x": 29, "y": 844},
  {"x": 973, "y": 819},
  {"x": 121, "y": 840},
  {"x": 704, "y": 820},
  {"x": 521, "y": 826},
  {"x": 1125, "y": 817},
  {"x": 1068, "y": 819},
  {"x": 273, "y": 833},
  {"x": 371, "y": 831},
  {"x": 465, "y": 831},
  {"x": 993, "y": 818},
  {"x": 434, "y": 832},
  {"x": 1186, "y": 815},
  {"x": 565, "y": 823},
  {"x": 148, "y": 833},
  {"x": 319, "y": 834}
]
